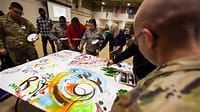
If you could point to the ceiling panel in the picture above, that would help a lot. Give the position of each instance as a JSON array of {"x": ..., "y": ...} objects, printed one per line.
[{"x": 123, "y": 3}]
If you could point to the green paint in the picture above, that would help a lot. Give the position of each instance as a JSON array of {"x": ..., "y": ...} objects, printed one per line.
[
  {"x": 14, "y": 86},
  {"x": 83, "y": 107},
  {"x": 121, "y": 91},
  {"x": 101, "y": 102},
  {"x": 53, "y": 106},
  {"x": 110, "y": 71}
]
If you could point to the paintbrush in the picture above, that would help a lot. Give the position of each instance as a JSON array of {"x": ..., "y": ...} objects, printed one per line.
[{"x": 107, "y": 60}]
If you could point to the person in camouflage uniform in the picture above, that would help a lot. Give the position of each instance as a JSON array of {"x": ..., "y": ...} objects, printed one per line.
[
  {"x": 14, "y": 30},
  {"x": 93, "y": 39},
  {"x": 169, "y": 36},
  {"x": 59, "y": 32}
]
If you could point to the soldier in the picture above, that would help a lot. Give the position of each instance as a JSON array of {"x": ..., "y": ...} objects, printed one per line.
[
  {"x": 14, "y": 30},
  {"x": 93, "y": 39},
  {"x": 59, "y": 31},
  {"x": 169, "y": 36}
]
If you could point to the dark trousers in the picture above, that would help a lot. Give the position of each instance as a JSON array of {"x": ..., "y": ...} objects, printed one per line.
[
  {"x": 92, "y": 53},
  {"x": 64, "y": 44},
  {"x": 44, "y": 45},
  {"x": 113, "y": 54},
  {"x": 6, "y": 62}
]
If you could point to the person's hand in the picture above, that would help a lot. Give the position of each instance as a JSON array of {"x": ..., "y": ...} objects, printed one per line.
[
  {"x": 97, "y": 50},
  {"x": 3, "y": 51},
  {"x": 54, "y": 38},
  {"x": 117, "y": 48},
  {"x": 71, "y": 47},
  {"x": 110, "y": 62},
  {"x": 79, "y": 48},
  {"x": 98, "y": 108}
]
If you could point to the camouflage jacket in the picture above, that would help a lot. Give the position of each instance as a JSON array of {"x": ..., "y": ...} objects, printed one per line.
[
  {"x": 173, "y": 87},
  {"x": 58, "y": 31},
  {"x": 93, "y": 40},
  {"x": 13, "y": 34}
]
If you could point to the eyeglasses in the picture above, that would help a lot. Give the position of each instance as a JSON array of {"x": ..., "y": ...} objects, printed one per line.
[
  {"x": 17, "y": 12},
  {"x": 135, "y": 39}
]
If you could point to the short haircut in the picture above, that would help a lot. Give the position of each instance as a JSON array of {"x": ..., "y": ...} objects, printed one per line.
[
  {"x": 93, "y": 21},
  {"x": 63, "y": 18},
  {"x": 40, "y": 10},
  {"x": 75, "y": 20},
  {"x": 15, "y": 5}
]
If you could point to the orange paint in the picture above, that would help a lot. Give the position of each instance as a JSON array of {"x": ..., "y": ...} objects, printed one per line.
[{"x": 70, "y": 87}]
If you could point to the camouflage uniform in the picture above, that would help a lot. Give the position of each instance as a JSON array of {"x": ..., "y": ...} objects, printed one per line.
[
  {"x": 13, "y": 37},
  {"x": 173, "y": 87},
  {"x": 89, "y": 37},
  {"x": 60, "y": 34}
]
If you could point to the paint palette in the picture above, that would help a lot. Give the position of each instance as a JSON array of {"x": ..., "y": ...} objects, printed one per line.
[
  {"x": 32, "y": 37},
  {"x": 127, "y": 79}
]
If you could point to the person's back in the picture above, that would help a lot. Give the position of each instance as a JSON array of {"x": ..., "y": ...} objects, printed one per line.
[{"x": 172, "y": 43}]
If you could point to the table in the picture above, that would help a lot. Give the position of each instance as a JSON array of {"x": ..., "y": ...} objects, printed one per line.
[{"x": 68, "y": 81}]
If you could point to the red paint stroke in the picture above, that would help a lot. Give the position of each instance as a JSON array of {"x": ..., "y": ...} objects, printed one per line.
[
  {"x": 18, "y": 94},
  {"x": 42, "y": 91}
]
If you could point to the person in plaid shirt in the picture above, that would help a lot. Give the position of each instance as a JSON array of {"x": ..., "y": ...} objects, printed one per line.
[{"x": 44, "y": 26}]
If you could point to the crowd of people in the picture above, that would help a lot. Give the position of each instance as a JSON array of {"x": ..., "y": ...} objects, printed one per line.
[
  {"x": 167, "y": 38},
  {"x": 61, "y": 35}
]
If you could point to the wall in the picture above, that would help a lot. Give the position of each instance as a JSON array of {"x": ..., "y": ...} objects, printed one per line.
[
  {"x": 112, "y": 16},
  {"x": 82, "y": 13},
  {"x": 109, "y": 18}
]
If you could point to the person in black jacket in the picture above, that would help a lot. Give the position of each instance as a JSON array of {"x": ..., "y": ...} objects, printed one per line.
[
  {"x": 141, "y": 66},
  {"x": 116, "y": 39}
]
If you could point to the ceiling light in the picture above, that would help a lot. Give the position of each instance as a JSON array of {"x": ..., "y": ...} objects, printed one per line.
[
  {"x": 103, "y": 3},
  {"x": 128, "y": 4}
]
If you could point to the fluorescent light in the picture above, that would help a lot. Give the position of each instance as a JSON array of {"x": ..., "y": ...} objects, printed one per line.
[
  {"x": 103, "y": 3},
  {"x": 128, "y": 4}
]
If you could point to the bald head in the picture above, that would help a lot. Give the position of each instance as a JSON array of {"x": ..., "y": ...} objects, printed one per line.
[
  {"x": 165, "y": 14},
  {"x": 170, "y": 28}
]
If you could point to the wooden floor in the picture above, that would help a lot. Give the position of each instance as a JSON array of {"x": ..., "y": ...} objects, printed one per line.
[{"x": 8, "y": 105}]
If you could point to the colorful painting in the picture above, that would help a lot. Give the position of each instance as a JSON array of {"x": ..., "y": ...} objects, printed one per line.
[
  {"x": 85, "y": 60},
  {"x": 67, "y": 83}
]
